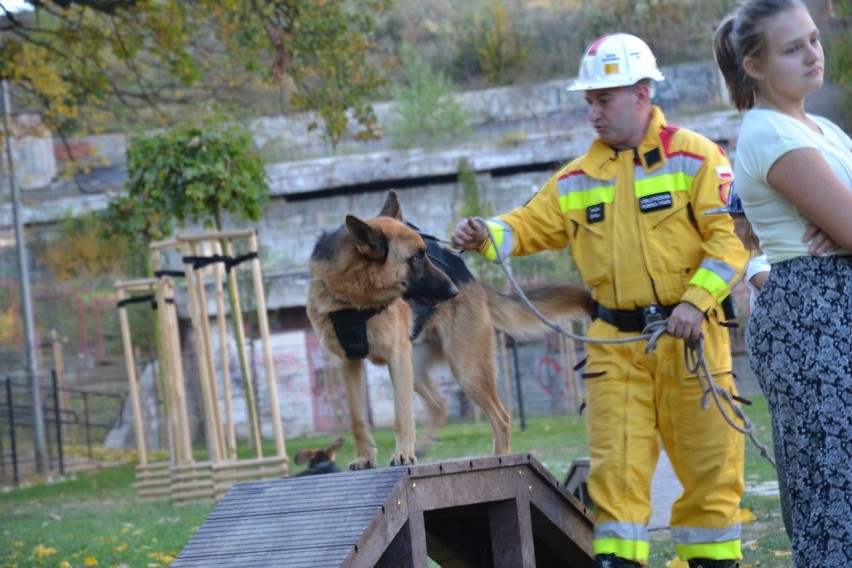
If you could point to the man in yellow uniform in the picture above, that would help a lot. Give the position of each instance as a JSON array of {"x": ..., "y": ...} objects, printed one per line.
[{"x": 632, "y": 209}]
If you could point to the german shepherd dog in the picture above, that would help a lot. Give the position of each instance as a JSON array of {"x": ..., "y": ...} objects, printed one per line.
[{"x": 375, "y": 292}]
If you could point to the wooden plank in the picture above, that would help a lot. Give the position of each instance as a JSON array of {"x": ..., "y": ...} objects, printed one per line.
[
  {"x": 313, "y": 558},
  {"x": 511, "y": 526}
]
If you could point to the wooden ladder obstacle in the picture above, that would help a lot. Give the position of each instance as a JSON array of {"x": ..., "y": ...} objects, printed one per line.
[{"x": 506, "y": 512}]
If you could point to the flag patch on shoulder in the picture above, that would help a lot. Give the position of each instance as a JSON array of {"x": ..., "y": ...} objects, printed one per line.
[{"x": 724, "y": 172}]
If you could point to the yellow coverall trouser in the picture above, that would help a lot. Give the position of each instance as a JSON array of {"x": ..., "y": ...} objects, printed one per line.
[{"x": 633, "y": 400}]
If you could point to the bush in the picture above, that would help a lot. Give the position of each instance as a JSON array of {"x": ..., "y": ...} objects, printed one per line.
[
  {"x": 426, "y": 113},
  {"x": 678, "y": 31},
  {"x": 838, "y": 55}
]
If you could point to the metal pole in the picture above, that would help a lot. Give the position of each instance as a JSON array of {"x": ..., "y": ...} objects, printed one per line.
[
  {"x": 40, "y": 440},
  {"x": 12, "y": 430},
  {"x": 518, "y": 383},
  {"x": 58, "y": 416}
]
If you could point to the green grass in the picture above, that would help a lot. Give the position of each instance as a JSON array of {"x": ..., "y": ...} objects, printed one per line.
[{"x": 97, "y": 516}]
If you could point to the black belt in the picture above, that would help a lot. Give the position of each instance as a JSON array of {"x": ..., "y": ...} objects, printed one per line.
[{"x": 632, "y": 320}]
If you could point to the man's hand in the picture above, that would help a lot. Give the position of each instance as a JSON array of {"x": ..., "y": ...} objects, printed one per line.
[
  {"x": 819, "y": 241},
  {"x": 468, "y": 234},
  {"x": 685, "y": 322}
]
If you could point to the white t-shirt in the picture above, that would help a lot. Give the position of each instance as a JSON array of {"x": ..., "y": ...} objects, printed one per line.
[
  {"x": 765, "y": 136},
  {"x": 756, "y": 265}
]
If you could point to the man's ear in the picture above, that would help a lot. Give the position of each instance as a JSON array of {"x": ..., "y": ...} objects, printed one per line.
[
  {"x": 752, "y": 68},
  {"x": 643, "y": 94}
]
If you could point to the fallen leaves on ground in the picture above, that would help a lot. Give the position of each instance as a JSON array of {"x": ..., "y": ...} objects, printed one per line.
[
  {"x": 41, "y": 552},
  {"x": 746, "y": 516}
]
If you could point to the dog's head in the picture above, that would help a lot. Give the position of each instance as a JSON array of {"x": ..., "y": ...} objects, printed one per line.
[
  {"x": 319, "y": 461},
  {"x": 388, "y": 242}
]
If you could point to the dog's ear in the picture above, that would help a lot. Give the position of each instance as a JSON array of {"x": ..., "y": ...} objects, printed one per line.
[
  {"x": 330, "y": 451},
  {"x": 369, "y": 241},
  {"x": 304, "y": 456},
  {"x": 391, "y": 207}
]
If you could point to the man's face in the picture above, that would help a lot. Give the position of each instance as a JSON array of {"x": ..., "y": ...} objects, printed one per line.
[{"x": 615, "y": 116}]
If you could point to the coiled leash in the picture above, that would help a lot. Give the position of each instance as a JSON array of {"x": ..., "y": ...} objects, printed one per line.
[
  {"x": 693, "y": 356},
  {"x": 695, "y": 363}
]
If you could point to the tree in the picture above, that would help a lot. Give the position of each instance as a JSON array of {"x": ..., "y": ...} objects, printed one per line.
[
  {"x": 87, "y": 64},
  {"x": 427, "y": 115},
  {"x": 194, "y": 172}
]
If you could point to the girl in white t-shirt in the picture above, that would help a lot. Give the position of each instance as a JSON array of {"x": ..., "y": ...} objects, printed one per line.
[{"x": 792, "y": 169}]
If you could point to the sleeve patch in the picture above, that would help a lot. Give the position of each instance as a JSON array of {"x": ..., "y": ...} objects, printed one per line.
[{"x": 724, "y": 173}]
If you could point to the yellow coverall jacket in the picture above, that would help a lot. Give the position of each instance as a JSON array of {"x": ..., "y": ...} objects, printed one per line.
[{"x": 635, "y": 221}]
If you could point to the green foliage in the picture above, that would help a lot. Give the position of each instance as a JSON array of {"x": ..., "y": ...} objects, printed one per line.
[
  {"x": 474, "y": 206},
  {"x": 333, "y": 74},
  {"x": 500, "y": 50},
  {"x": 838, "y": 56},
  {"x": 85, "y": 65},
  {"x": 82, "y": 249},
  {"x": 676, "y": 30},
  {"x": 427, "y": 115},
  {"x": 491, "y": 45},
  {"x": 194, "y": 172},
  {"x": 472, "y": 203}
]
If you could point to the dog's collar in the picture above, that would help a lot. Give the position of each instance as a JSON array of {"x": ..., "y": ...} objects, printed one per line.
[{"x": 350, "y": 325}]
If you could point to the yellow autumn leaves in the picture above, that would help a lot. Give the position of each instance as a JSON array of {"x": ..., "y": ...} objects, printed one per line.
[{"x": 42, "y": 553}]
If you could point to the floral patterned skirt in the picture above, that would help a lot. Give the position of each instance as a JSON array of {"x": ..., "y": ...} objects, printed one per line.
[{"x": 799, "y": 342}]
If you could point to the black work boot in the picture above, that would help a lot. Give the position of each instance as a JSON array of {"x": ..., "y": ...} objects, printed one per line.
[
  {"x": 704, "y": 563},
  {"x": 613, "y": 561}
]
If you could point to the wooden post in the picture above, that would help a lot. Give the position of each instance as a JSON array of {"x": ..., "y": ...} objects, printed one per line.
[
  {"x": 199, "y": 313},
  {"x": 131, "y": 377},
  {"x": 239, "y": 330},
  {"x": 225, "y": 359},
  {"x": 171, "y": 356},
  {"x": 179, "y": 377},
  {"x": 207, "y": 337},
  {"x": 179, "y": 419},
  {"x": 263, "y": 322}
]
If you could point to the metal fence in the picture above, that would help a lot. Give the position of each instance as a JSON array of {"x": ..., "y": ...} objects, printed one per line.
[{"x": 70, "y": 415}]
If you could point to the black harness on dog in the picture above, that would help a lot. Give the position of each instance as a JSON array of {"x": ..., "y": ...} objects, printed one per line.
[
  {"x": 351, "y": 329},
  {"x": 351, "y": 325}
]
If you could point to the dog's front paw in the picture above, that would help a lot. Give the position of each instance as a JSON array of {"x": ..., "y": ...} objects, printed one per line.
[
  {"x": 400, "y": 459},
  {"x": 362, "y": 463}
]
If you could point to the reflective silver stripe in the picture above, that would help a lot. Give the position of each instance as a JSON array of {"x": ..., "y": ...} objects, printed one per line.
[
  {"x": 721, "y": 269},
  {"x": 624, "y": 531},
  {"x": 676, "y": 164},
  {"x": 504, "y": 240},
  {"x": 696, "y": 535},
  {"x": 578, "y": 191},
  {"x": 579, "y": 181}
]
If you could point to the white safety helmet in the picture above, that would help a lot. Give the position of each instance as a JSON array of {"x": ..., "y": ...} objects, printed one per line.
[{"x": 617, "y": 60}]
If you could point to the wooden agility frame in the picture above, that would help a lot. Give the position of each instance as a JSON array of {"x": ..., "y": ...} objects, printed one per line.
[
  {"x": 211, "y": 478},
  {"x": 151, "y": 478}
]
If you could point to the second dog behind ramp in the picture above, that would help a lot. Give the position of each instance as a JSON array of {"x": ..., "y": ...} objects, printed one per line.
[{"x": 319, "y": 461}]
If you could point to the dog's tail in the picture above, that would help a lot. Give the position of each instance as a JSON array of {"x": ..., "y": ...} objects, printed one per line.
[{"x": 556, "y": 302}]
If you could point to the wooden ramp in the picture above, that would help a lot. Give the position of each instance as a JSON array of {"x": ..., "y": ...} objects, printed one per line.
[{"x": 505, "y": 512}]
